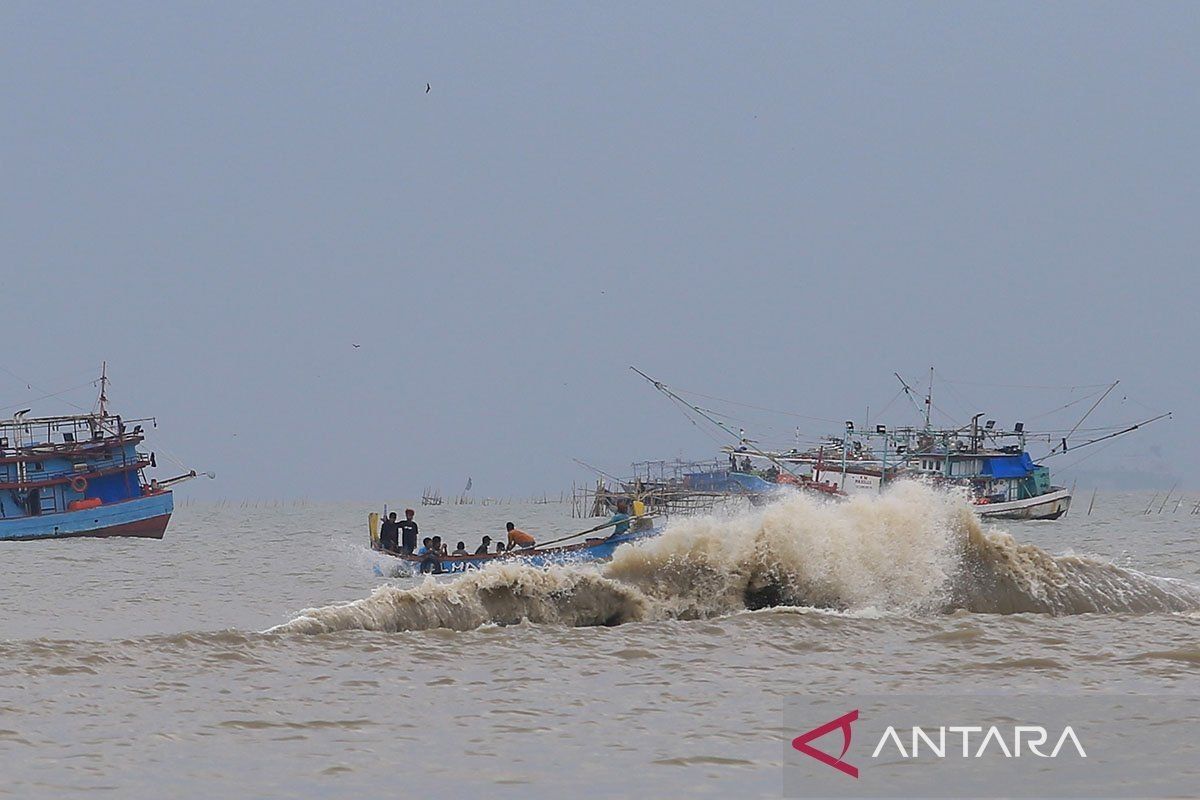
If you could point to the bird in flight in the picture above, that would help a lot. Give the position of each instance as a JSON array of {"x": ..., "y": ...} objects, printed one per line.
[
  {"x": 355, "y": 346},
  {"x": 427, "y": 88}
]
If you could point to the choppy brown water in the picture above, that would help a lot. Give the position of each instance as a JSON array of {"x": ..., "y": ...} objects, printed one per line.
[{"x": 136, "y": 666}]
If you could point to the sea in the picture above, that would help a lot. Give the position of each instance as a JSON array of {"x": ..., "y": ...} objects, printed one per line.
[{"x": 263, "y": 650}]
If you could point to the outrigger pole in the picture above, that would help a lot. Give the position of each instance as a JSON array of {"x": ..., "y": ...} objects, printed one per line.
[
  {"x": 599, "y": 527},
  {"x": 1063, "y": 444},
  {"x": 1130, "y": 429},
  {"x": 741, "y": 439},
  {"x": 909, "y": 393}
]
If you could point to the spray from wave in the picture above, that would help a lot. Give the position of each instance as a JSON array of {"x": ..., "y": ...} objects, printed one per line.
[{"x": 911, "y": 550}]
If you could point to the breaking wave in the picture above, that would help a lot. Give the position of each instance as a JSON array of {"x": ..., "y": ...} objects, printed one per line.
[{"x": 911, "y": 550}]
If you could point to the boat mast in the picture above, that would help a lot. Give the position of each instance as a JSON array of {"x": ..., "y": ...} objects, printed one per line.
[
  {"x": 929, "y": 398},
  {"x": 103, "y": 390}
]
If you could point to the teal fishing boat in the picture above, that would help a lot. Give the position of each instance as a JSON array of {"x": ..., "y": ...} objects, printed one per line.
[
  {"x": 631, "y": 529},
  {"x": 81, "y": 475}
]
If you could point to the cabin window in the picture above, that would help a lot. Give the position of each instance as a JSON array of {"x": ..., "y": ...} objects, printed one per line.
[{"x": 36, "y": 466}]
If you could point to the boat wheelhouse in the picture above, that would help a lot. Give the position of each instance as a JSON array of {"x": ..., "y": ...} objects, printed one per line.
[{"x": 80, "y": 475}]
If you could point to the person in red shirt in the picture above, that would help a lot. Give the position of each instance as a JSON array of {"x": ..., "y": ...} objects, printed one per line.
[{"x": 518, "y": 537}]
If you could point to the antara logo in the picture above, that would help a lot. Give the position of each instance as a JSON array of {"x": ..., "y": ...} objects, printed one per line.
[
  {"x": 801, "y": 743},
  {"x": 1025, "y": 739}
]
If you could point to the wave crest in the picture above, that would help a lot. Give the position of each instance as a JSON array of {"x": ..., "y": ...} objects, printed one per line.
[{"x": 911, "y": 550}]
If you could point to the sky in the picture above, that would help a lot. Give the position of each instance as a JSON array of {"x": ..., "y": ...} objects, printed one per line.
[{"x": 777, "y": 204}]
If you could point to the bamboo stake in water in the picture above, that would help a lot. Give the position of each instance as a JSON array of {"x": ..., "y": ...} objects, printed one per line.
[
  {"x": 1168, "y": 497},
  {"x": 1092, "y": 503}
]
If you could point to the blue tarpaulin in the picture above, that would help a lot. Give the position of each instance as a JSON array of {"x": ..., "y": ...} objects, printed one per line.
[{"x": 1009, "y": 466}]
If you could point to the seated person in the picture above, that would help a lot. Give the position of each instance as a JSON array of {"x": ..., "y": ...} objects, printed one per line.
[
  {"x": 425, "y": 545},
  {"x": 482, "y": 550},
  {"x": 621, "y": 518},
  {"x": 432, "y": 561},
  {"x": 518, "y": 537},
  {"x": 499, "y": 547},
  {"x": 461, "y": 550}
]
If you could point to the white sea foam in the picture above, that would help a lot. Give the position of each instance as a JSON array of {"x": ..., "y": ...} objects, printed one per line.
[{"x": 912, "y": 550}]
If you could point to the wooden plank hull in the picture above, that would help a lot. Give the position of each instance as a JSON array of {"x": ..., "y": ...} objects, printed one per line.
[
  {"x": 588, "y": 550},
  {"x": 142, "y": 517}
]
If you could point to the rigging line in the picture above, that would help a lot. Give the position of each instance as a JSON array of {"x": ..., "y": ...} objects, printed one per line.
[
  {"x": 752, "y": 448},
  {"x": 1060, "y": 431},
  {"x": 730, "y": 417},
  {"x": 1111, "y": 435},
  {"x": 1085, "y": 416},
  {"x": 32, "y": 385},
  {"x": 46, "y": 396},
  {"x": 944, "y": 414},
  {"x": 970, "y": 405},
  {"x": 1137, "y": 402},
  {"x": 1068, "y": 405},
  {"x": 687, "y": 413},
  {"x": 889, "y": 404},
  {"x": 1023, "y": 386},
  {"x": 597, "y": 470},
  {"x": 756, "y": 408},
  {"x": 1085, "y": 458},
  {"x": 908, "y": 391}
]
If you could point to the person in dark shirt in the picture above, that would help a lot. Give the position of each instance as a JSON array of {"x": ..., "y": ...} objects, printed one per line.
[
  {"x": 482, "y": 550},
  {"x": 409, "y": 532},
  {"x": 389, "y": 534}
]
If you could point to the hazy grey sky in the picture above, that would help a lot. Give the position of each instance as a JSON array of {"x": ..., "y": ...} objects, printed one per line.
[{"x": 779, "y": 204}]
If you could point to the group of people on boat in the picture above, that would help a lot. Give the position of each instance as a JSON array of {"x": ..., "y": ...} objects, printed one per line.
[{"x": 400, "y": 537}]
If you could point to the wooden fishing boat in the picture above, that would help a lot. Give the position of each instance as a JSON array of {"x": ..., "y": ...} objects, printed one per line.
[
  {"x": 80, "y": 475},
  {"x": 585, "y": 551},
  {"x": 588, "y": 550}
]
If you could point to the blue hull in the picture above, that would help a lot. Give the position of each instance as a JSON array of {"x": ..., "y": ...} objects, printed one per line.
[
  {"x": 590, "y": 550},
  {"x": 143, "y": 517}
]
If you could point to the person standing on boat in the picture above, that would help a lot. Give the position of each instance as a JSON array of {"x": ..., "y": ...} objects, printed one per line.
[
  {"x": 621, "y": 519},
  {"x": 409, "y": 532},
  {"x": 389, "y": 534},
  {"x": 518, "y": 537}
]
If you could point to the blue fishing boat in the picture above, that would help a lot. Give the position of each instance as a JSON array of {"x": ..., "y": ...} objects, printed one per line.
[
  {"x": 80, "y": 475},
  {"x": 590, "y": 549}
]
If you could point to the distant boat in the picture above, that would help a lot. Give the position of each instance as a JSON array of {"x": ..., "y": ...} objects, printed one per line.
[
  {"x": 80, "y": 475},
  {"x": 991, "y": 465},
  {"x": 1002, "y": 483}
]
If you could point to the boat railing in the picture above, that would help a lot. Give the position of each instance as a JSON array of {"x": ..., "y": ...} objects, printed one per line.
[{"x": 65, "y": 431}]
